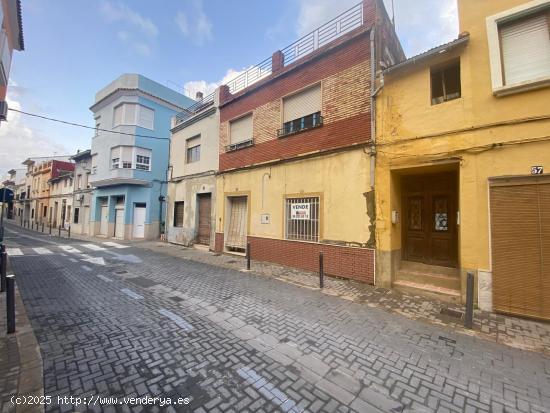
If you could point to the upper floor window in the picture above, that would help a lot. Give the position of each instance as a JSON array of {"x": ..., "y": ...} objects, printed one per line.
[
  {"x": 133, "y": 114},
  {"x": 446, "y": 83},
  {"x": 302, "y": 111},
  {"x": 240, "y": 132},
  {"x": 79, "y": 181},
  {"x": 193, "y": 149},
  {"x": 143, "y": 162},
  {"x": 121, "y": 157},
  {"x": 519, "y": 47},
  {"x": 525, "y": 48}
]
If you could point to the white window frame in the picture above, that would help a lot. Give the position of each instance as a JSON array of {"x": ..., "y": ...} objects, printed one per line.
[
  {"x": 143, "y": 166},
  {"x": 137, "y": 115},
  {"x": 495, "y": 52}
]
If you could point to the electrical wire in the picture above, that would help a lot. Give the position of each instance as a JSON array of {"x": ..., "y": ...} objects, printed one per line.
[{"x": 84, "y": 126}]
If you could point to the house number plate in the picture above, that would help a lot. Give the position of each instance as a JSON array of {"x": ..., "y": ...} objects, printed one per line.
[{"x": 537, "y": 170}]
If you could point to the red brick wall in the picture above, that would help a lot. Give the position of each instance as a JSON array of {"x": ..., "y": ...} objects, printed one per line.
[
  {"x": 347, "y": 262},
  {"x": 353, "y": 52},
  {"x": 334, "y": 135}
]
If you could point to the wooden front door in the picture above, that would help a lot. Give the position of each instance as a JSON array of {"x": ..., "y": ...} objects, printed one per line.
[
  {"x": 429, "y": 218},
  {"x": 204, "y": 205}
]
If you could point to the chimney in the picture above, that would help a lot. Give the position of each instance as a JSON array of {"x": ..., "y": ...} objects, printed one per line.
[
  {"x": 277, "y": 61},
  {"x": 199, "y": 96}
]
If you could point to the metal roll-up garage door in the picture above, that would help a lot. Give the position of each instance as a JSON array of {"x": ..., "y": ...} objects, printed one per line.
[{"x": 520, "y": 246}]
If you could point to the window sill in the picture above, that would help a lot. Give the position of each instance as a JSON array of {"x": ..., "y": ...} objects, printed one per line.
[{"x": 522, "y": 87}]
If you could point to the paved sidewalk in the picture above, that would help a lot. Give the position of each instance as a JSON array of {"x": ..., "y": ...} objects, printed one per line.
[
  {"x": 514, "y": 332},
  {"x": 20, "y": 360}
]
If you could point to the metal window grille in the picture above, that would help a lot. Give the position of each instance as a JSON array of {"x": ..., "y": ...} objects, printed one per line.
[{"x": 303, "y": 229}]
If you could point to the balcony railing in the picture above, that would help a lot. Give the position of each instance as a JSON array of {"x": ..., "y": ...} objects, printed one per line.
[
  {"x": 312, "y": 121},
  {"x": 340, "y": 25}
]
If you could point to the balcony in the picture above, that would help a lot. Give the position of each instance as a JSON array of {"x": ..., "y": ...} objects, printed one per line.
[
  {"x": 118, "y": 176},
  {"x": 315, "y": 120}
]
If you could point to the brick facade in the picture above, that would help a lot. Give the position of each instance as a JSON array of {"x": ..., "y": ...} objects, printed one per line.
[{"x": 347, "y": 262}]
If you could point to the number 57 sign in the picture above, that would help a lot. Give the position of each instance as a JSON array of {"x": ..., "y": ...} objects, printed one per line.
[{"x": 537, "y": 170}]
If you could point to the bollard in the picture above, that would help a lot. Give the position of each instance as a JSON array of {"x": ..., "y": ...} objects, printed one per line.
[
  {"x": 321, "y": 271},
  {"x": 469, "y": 315},
  {"x": 50, "y": 228},
  {"x": 248, "y": 256},
  {"x": 37, "y": 223},
  {"x": 10, "y": 303},
  {"x": 3, "y": 266},
  {"x": 59, "y": 234},
  {"x": 42, "y": 226},
  {"x": 69, "y": 232}
]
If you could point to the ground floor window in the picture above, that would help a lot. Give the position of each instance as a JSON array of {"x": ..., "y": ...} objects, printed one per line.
[
  {"x": 178, "y": 214},
  {"x": 76, "y": 213},
  {"x": 45, "y": 211},
  {"x": 302, "y": 219}
]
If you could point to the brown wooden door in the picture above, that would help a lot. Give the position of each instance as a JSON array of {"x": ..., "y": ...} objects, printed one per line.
[
  {"x": 204, "y": 205},
  {"x": 429, "y": 219}
]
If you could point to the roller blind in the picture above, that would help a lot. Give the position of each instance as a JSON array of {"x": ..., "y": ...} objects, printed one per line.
[
  {"x": 146, "y": 117},
  {"x": 526, "y": 49},
  {"x": 195, "y": 141},
  {"x": 302, "y": 104},
  {"x": 117, "y": 116},
  {"x": 126, "y": 153},
  {"x": 130, "y": 113},
  {"x": 241, "y": 129}
]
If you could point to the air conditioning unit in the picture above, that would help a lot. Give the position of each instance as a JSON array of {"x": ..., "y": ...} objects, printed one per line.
[{"x": 3, "y": 110}]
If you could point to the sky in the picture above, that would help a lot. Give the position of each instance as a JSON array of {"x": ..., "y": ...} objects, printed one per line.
[{"x": 73, "y": 48}]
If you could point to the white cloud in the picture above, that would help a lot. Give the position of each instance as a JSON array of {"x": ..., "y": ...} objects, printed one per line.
[
  {"x": 118, "y": 11},
  {"x": 195, "y": 25},
  {"x": 137, "y": 33},
  {"x": 134, "y": 44},
  {"x": 19, "y": 141},
  {"x": 192, "y": 87}
]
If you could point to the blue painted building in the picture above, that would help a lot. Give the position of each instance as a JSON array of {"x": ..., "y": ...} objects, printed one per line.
[{"x": 130, "y": 161}]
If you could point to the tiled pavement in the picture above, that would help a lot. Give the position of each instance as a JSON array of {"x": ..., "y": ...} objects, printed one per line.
[
  {"x": 512, "y": 331},
  {"x": 123, "y": 322}
]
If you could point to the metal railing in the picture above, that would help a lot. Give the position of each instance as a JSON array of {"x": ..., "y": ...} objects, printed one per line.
[
  {"x": 340, "y": 25},
  {"x": 314, "y": 120},
  {"x": 239, "y": 145}
]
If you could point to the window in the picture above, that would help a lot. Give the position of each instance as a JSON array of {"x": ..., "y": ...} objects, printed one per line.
[
  {"x": 302, "y": 111},
  {"x": 45, "y": 211},
  {"x": 75, "y": 215},
  {"x": 122, "y": 157},
  {"x": 143, "y": 162},
  {"x": 240, "y": 130},
  {"x": 87, "y": 180},
  {"x": 116, "y": 163},
  {"x": 143, "y": 159},
  {"x": 178, "y": 214},
  {"x": 79, "y": 181},
  {"x": 97, "y": 126},
  {"x": 519, "y": 48},
  {"x": 133, "y": 114},
  {"x": 302, "y": 219},
  {"x": 446, "y": 83},
  {"x": 193, "y": 149},
  {"x": 525, "y": 46},
  {"x": 126, "y": 165}
]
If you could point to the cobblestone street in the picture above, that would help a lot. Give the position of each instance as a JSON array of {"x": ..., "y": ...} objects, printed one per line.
[{"x": 115, "y": 320}]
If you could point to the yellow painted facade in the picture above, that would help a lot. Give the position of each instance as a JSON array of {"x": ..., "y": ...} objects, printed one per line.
[
  {"x": 341, "y": 181},
  {"x": 480, "y": 135}
]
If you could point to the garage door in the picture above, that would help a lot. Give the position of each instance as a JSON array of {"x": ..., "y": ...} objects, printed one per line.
[{"x": 520, "y": 245}]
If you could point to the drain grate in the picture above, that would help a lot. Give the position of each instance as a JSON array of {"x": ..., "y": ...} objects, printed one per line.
[{"x": 452, "y": 313}]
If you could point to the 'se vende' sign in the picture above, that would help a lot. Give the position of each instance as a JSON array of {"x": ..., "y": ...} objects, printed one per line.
[{"x": 299, "y": 211}]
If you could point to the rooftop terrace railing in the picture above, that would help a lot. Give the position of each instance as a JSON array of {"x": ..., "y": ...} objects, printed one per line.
[{"x": 323, "y": 35}]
